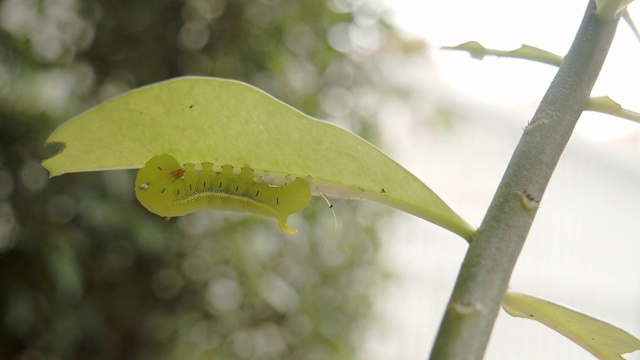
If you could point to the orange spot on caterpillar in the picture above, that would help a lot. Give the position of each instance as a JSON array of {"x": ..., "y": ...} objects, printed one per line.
[{"x": 177, "y": 174}]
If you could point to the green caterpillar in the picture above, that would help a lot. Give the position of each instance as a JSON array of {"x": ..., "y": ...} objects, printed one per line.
[{"x": 168, "y": 189}]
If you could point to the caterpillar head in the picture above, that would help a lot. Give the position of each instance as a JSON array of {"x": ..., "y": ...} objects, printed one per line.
[{"x": 154, "y": 187}]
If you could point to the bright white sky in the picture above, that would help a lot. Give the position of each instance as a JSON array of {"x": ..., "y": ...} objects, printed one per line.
[
  {"x": 505, "y": 24},
  {"x": 582, "y": 266}
]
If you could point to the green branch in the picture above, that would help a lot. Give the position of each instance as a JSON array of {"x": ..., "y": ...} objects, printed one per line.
[
  {"x": 526, "y": 52},
  {"x": 487, "y": 267},
  {"x": 607, "y": 10},
  {"x": 605, "y": 105},
  {"x": 627, "y": 17}
]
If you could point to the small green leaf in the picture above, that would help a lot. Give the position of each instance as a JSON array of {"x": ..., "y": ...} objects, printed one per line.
[
  {"x": 609, "y": 9},
  {"x": 200, "y": 120},
  {"x": 605, "y": 105},
  {"x": 603, "y": 340},
  {"x": 477, "y": 51},
  {"x": 627, "y": 17}
]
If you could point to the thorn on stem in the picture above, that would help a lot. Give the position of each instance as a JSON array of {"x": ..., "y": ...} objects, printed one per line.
[
  {"x": 528, "y": 201},
  {"x": 466, "y": 308}
]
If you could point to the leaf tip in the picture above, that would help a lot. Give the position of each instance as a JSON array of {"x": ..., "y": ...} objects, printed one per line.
[
  {"x": 56, "y": 148},
  {"x": 474, "y": 48}
]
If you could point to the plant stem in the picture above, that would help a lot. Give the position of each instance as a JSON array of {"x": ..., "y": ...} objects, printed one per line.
[{"x": 487, "y": 267}]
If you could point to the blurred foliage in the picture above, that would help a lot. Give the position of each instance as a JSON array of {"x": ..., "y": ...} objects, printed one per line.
[{"x": 86, "y": 272}]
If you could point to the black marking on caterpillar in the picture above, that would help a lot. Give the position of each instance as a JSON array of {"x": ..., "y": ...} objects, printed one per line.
[{"x": 189, "y": 191}]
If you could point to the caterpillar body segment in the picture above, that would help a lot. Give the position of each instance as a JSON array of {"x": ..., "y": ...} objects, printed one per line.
[{"x": 168, "y": 189}]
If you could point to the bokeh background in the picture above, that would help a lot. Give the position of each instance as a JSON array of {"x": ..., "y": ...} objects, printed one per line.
[{"x": 87, "y": 273}]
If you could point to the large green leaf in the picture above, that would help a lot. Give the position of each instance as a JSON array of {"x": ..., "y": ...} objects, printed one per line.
[
  {"x": 603, "y": 340},
  {"x": 198, "y": 120}
]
